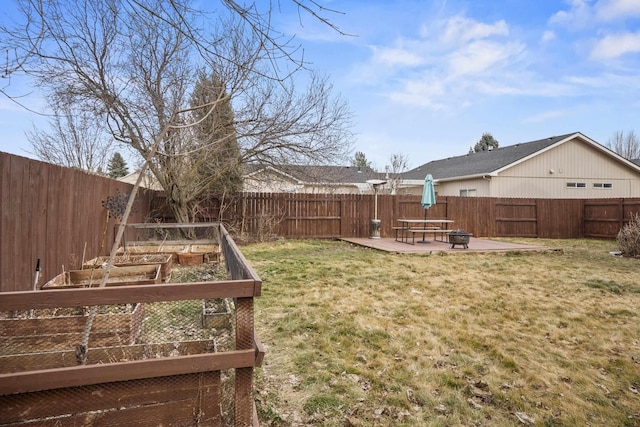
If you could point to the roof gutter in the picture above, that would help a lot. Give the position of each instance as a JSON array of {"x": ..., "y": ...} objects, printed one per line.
[{"x": 460, "y": 178}]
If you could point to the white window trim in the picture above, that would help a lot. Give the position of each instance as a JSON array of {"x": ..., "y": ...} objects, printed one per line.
[
  {"x": 603, "y": 185},
  {"x": 576, "y": 185}
]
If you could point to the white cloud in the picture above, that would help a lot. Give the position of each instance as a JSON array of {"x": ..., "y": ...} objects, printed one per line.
[
  {"x": 480, "y": 56},
  {"x": 460, "y": 29},
  {"x": 396, "y": 56},
  {"x": 419, "y": 95},
  {"x": 481, "y": 60},
  {"x": 545, "y": 117},
  {"x": 525, "y": 85},
  {"x": 443, "y": 68},
  {"x": 583, "y": 14},
  {"x": 548, "y": 36},
  {"x": 579, "y": 14},
  {"x": 614, "y": 46},
  {"x": 608, "y": 10}
]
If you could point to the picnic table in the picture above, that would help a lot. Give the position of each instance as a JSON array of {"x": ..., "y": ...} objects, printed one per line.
[{"x": 411, "y": 227}]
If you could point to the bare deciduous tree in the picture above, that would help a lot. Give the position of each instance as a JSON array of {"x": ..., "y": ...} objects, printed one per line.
[
  {"x": 628, "y": 146},
  {"x": 398, "y": 163},
  {"x": 75, "y": 139},
  {"x": 136, "y": 62}
]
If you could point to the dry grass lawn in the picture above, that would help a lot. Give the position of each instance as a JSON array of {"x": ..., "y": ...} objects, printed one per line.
[{"x": 357, "y": 337}]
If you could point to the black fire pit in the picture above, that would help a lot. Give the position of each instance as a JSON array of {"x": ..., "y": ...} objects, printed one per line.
[{"x": 459, "y": 237}]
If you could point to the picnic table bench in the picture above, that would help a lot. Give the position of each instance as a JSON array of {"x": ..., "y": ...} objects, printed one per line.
[{"x": 429, "y": 226}]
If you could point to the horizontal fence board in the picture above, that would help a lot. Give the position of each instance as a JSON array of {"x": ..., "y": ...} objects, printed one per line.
[
  {"x": 121, "y": 402},
  {"x": 57, "y": 359},
  {"x": 46, "y": 379},
  {"x": 77, "y": 297}
]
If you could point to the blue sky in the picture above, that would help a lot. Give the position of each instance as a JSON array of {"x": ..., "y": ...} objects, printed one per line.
[{"x": 426, "y": 78}]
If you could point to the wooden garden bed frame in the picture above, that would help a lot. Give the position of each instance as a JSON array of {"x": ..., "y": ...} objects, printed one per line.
[
  {"x": 164, "y": 259},
  {"x": 36, "y": 388},
  {"x": 120, "y": 276}
]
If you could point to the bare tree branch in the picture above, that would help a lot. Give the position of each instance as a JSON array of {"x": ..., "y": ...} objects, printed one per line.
[
  {"x": 627, "y": 146},
  {"x": 135, "y": 63}
]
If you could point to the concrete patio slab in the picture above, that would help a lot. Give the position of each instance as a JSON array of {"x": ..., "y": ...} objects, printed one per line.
[{"x": 475, "y": 245}]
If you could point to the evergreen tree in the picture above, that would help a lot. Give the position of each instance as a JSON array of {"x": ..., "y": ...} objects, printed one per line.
[
  {"x": 219, "y": 163},
  {"x": 486, "y": 143},
  {"x": 117, "y": 166},
  {"x": 360, "y": 160}
]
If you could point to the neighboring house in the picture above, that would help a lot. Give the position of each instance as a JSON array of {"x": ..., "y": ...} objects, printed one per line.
[
  {"x": 309, "y": 179},
  {"x": 561, "y": 167},
  {"x": 148, "y": 180},
  {"x": 292, "y": 179}
]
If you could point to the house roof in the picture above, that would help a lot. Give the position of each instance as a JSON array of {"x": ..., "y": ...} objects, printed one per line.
[
  {"x": 317, "y": 174},
  {"x": 492, "y": 162}
]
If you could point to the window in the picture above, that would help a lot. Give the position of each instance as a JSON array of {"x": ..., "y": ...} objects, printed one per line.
[
  {"x": 607, "y": 185},
  {"x": 576, "y": 185},
  {"x": 469, "y": 192}
]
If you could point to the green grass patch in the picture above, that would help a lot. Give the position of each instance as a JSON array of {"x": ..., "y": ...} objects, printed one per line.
[
  {"x": 385, "y": 339},
  {"x": 322, "y": 403}
]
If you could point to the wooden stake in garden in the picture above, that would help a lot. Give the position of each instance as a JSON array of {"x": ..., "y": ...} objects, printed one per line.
[{"x": 82, "y": 349}]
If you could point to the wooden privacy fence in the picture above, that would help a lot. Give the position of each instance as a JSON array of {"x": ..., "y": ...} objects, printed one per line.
[
  {"x": 54, "y": 214},
  {"x": 349, "y": 215}
]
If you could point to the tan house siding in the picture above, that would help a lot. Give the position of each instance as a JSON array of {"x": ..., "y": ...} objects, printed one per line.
[
  {"x": 413, "y": 190},
  {"x": 272, "y": 181},
  {"x": 546, "y": 175},
  {"x": 481, "y": 186},
  {"x": 562, "y": 167},
  {"x": 571, "y": 160}
]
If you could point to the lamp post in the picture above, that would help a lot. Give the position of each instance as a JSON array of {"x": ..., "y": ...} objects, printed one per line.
[{"x": 375, "y": 222}]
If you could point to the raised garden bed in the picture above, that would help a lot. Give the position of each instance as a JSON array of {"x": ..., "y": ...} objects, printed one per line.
[
  {"x": 190, "y": 259},
  {"x": 217, "y": 313},
  {"x": 25, "y": 334},
  {"x": 165, "y": 260},
  {"x": 173, "y": 370},
  {"x": 184, "y": 253},
  {"x": 118, "y": 276}
]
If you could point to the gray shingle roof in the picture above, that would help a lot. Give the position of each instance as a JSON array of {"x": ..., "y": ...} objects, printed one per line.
[
  {"x": 483, "y": 162},
  {"x": 323, "y": 174}
]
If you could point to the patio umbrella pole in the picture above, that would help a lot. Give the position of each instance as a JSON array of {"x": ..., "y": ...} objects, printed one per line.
[{"x": 428, "y": 200}]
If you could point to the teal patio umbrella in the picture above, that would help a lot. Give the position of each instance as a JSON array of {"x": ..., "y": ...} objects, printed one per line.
[
  {"x": 428, "y": 194},
  {"x": 428, "y": 199}
]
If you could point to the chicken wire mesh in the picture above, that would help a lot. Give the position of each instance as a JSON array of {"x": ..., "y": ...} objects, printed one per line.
[
  {"x": 54, "y": 338},
  {"x": 184, "y": 400},
  {"x": 162, "y": 232}
]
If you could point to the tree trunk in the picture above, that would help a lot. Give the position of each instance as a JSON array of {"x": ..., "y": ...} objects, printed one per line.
[{"x": 181, "y": 213}]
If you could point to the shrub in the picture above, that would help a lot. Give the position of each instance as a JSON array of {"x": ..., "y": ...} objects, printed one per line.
[{"x": 629, "y": 237}]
